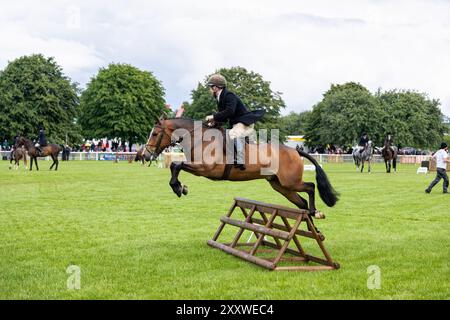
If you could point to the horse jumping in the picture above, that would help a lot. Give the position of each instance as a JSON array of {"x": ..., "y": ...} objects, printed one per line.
[
  {"x": 286, "y": 179},
  {"x": 51, "y": 150}
]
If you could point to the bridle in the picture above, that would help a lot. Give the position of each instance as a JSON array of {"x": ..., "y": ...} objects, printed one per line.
[{"x": 159, "y": 140}]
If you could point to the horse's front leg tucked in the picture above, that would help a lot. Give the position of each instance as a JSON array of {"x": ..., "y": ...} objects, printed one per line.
[{"x": 175, "y": 168}]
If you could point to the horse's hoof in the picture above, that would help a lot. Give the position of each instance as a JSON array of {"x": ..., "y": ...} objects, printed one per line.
[
  {"x": 185, "y": 190},
  {"x": 318, "y": 215}
]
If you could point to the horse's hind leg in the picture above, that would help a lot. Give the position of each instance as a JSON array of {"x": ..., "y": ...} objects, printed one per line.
[
  {"x": 53, "y": 158},
  {"x": 394, "y": 164},
  {"x": 35, "y": 162},
  {"x": 291, "y": 195}
]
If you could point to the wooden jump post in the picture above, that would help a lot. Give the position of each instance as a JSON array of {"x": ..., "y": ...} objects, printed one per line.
[{"x": 267, "y": 227}]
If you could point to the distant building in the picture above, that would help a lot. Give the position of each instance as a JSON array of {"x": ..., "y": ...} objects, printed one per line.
[{"x": 180, "y": 111}]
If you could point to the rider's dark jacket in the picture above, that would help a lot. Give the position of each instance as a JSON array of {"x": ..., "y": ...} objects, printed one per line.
[
  {"x": 42, "y": 139},
  {"x": 363, "y": 141},
  {"x": 232, "y": 109}
]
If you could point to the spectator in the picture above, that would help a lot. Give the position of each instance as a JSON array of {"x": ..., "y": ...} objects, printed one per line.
[{"x": 441, "y": 157}]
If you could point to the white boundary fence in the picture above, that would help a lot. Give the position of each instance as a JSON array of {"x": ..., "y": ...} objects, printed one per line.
[{"x": 321, "y": 158}]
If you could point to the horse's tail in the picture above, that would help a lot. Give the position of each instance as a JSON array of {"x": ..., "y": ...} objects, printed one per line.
[{"x": 326, "y": 191}]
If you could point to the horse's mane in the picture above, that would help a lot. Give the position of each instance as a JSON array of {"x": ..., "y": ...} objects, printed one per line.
[{"x": 204, "y": 125}]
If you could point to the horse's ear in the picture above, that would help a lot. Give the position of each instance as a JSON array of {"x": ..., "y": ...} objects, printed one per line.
[{"x": 164, "y": 116}]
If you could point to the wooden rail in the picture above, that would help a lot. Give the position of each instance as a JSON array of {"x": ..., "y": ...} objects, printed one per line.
[{"x": 265, "y": 227}]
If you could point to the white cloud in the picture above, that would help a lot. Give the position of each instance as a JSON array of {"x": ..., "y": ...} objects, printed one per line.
[{"x": 300, "y": 46}]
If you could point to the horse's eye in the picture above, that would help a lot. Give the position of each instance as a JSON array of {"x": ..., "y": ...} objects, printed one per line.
[{"x": 154, "y": 134}]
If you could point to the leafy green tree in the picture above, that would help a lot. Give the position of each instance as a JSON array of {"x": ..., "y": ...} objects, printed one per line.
[
  {"x": 123, "y": 102},
  {"x": 34, "y": 92},
  {"x": 348, "y": 110},
  {"x": 412, "y": 118},
  {"x": 294, "y": 123},
  {"x": 253, "y": 90},
  {"x": 345, "y": 112}
]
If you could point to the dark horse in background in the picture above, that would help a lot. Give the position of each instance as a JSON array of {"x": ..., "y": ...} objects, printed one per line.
[
  {"x": 16, "y": 155},
  {"x": 286, "y": 179},
  {"x": 389, "y": 154},
  {"x": 142, "y": 155},
  {"x": 51, "y": 150}
]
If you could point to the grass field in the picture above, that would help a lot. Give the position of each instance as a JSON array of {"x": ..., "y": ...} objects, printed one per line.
[{"x": 132, "y": 238}]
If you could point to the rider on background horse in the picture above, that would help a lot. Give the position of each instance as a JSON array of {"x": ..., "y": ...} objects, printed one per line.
[
  {"x": 232, "y": 109},
  {"x": 42, "y": 141},
  {"x": 388, "y": 141},
  {"x": 363, "y": 142}
]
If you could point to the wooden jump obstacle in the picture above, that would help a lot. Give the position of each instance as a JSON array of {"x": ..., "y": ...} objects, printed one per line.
[{"x": 267, "y": 227}]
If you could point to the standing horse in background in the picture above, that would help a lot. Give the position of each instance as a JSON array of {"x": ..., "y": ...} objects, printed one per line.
[
  {"x": 389, "y": 153},
  {"x": 286, "y": 179},
  {"x": 18, "y": 154},
  {"x": 142, "y": 155},
  {"x": 51, "y": 150},
  {"x": 360, "y": 157}
]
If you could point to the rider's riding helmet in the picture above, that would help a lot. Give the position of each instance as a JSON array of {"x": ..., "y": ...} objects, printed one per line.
[{"x": 217, "y": 80}]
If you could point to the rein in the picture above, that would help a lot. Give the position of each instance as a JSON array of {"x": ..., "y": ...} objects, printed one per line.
[{"x": 160, "y": 137}]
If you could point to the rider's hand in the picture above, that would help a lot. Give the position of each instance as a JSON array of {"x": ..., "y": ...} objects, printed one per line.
[{"x": 209, "y": 118}]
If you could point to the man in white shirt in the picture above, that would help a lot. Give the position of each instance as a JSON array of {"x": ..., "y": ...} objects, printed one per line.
[{"x": 441, "y": 157}]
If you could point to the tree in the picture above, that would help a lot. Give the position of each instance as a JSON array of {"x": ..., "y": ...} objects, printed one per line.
[
  {"x": 123, "y": 102},
  {"x": 348, "y": 110},
  {"x": 253, "y": 90},
  {"x": 34, "y": 92},
  {"x": 294, "y": 123},
  {"x": 345, "y": 112},
  {"x": 412, "y": 118}
]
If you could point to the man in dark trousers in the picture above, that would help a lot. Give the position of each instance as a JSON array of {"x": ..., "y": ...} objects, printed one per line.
[
  {"x": 441, "y": 157},
  {"x": 232, "y": 109},
  {"x": 42, "y": 141}
]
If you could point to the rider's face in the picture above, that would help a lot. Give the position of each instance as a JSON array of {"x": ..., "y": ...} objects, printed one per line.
[{"x": 213, "y": 90}]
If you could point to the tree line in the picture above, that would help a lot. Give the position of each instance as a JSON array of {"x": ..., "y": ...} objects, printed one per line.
[{"x": 123, "y": 102}]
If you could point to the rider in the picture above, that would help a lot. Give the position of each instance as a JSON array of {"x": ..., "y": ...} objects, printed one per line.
[
  {"x": 232, "y": 109},
  {"x": 389, "y": 140},
  {"x": 42, "y": 141},
  {"x": 363, "y": 142}
]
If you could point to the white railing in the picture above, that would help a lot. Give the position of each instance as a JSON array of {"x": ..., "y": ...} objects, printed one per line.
[
  {"x": 321, "y": 158},
  {"x": 95, "y": 156}
]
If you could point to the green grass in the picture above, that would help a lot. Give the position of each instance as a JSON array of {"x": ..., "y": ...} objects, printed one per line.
[{"x": 134, "y": 239}]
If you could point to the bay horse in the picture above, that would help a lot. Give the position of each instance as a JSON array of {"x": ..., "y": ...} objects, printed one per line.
[
  {"x": 18, "y": 154},
  {"x": 360, "y": 157},
  {"x": 389, "y": 153},
  {"x": 51, "y": 150},
  {"x": 142, "y": 155},
  {"x": 286, "y": 178}
]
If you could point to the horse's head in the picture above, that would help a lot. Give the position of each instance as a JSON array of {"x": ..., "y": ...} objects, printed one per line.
[
  {"x": 21, "y": 141},
  {"x": 160, "y": 137}
]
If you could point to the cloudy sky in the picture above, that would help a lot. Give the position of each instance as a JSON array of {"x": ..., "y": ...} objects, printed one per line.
[{"x": 301, "y": 47}]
